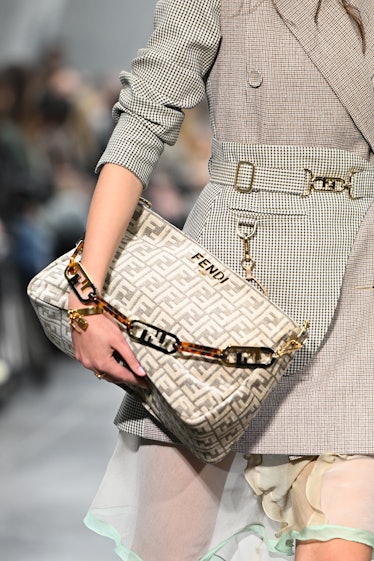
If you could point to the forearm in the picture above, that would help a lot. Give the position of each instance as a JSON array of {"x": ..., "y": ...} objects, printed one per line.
[{"x": 115, "y": 198}]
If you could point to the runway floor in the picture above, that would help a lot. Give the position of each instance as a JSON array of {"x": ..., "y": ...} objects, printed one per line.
[{"x": 55, "y": 442}]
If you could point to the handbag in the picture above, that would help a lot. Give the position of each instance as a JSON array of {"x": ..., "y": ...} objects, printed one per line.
[{"x": 212, "y": 344}]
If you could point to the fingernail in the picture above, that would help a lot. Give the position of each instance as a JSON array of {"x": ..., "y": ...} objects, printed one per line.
[{"x": 141, "y": 371}]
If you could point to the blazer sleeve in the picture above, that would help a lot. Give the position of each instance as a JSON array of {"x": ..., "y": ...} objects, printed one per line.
[{"x": 168, "y": 75}]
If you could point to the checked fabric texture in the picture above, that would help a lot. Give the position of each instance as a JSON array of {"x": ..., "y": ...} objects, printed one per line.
[{"x": 162, "y": 277}]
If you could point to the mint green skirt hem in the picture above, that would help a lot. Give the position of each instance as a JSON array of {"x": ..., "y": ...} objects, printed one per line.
[
  {"x": 327, "y": 532},
  {"x": 104, "y": 529},
  {"x": 284, "y": 545},
  {"x": 126, "y": 554}
]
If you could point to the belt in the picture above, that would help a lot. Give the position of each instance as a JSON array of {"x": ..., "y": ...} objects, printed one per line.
[{"x": 246, "y": 177}]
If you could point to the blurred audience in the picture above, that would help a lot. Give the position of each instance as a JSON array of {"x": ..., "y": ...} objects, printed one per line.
[{"x": 54, "y": 124}]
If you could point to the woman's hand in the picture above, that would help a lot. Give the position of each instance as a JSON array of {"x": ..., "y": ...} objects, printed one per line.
[{"x": 97, "y": 347}]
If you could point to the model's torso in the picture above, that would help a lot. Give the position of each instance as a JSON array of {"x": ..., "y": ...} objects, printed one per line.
[{"x": 271, "y": 92}]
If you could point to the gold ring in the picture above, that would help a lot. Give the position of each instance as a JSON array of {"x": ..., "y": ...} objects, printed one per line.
[{"x": 98, "y": 374}]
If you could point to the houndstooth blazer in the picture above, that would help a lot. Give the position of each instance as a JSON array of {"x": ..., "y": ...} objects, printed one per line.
[{"x": 287, "y": 94}]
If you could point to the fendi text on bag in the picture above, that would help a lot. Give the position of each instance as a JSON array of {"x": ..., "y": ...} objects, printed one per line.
[{"x": 212, "y": 344}]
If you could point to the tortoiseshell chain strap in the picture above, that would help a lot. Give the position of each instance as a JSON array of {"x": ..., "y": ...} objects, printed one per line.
[{"x": 168, "y": 343}]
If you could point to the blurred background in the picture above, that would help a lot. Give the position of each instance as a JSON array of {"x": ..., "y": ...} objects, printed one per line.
[{"x": 59, "y": 67}]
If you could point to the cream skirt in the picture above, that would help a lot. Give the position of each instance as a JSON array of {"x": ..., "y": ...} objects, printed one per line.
[{"x": 158, "y": 503}]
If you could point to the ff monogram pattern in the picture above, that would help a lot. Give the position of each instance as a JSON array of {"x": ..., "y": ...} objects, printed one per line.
[{"x": 162, "y": 277}]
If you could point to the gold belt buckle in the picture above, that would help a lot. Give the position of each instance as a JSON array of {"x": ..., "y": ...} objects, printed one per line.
[
  {"x": 249, "y": 186},
  {"x": 332, "y": 184}
]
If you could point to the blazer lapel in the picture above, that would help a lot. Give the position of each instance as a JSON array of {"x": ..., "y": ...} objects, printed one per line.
[{"x": 335, "y": 49}]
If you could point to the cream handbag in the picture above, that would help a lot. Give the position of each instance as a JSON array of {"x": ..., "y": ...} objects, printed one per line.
[{"x": 212, "y": 344}]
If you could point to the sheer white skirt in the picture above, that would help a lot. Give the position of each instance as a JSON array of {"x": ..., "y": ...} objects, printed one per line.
[{"x": 159, "y": 503}]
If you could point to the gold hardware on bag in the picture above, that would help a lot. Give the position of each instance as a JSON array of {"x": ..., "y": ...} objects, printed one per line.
[
  {"x": 246, "y": 357},
  {"x": 295, "y": 344},
  {"x": 332, "y": 184},
  {"x": 224, "y": 337},
  {"x": 168, "y": 343},
  {"x": 248, "y": 188},
  {"x": 146, "y": 202}
]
